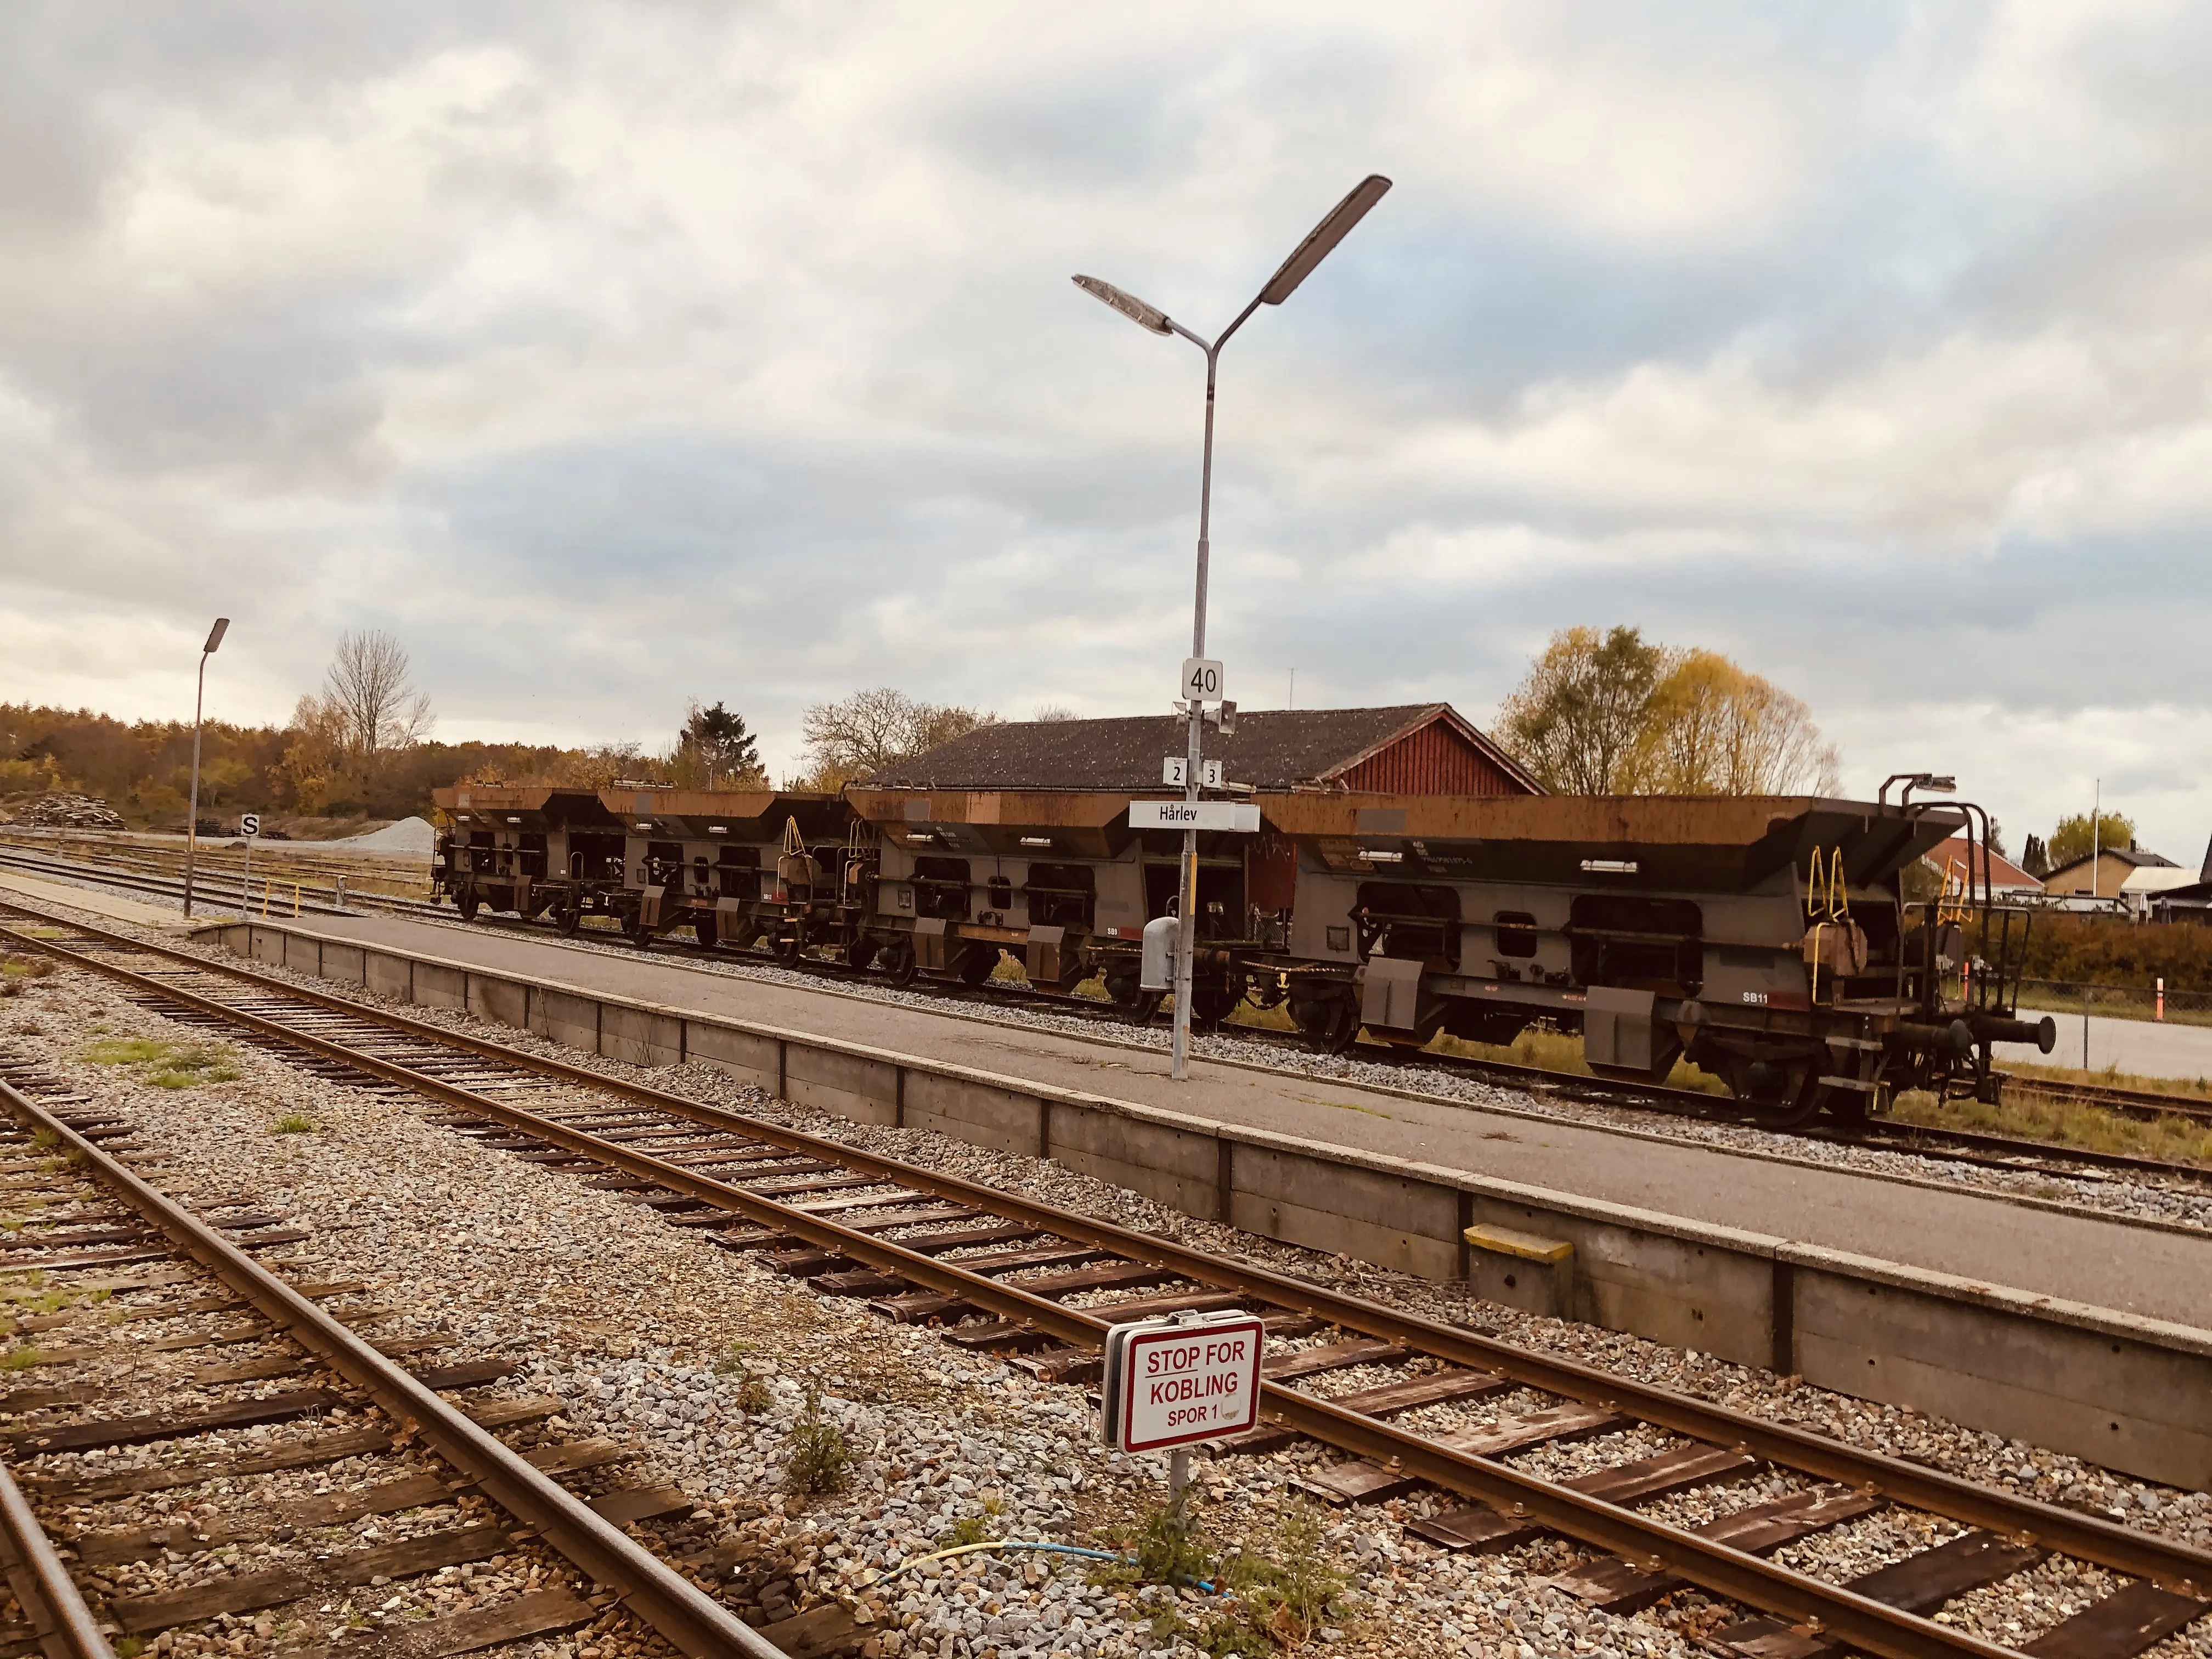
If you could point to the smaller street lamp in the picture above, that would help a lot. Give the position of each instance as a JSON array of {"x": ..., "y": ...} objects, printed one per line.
[{"x": 192, "y": 813}]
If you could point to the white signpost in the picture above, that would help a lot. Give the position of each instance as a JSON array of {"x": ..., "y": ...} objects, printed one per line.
[
  {"x": 1242, "y": 815},
  {"x": 249, "y": 825},
  {"x": 1171, "y": 1383}
]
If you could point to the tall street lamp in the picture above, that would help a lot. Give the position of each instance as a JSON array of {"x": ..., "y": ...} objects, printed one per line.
[
  {"x": 1295, "y": 270},
  {"x": 193, "y": 816}
]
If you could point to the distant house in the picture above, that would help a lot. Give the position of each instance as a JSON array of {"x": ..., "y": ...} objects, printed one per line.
[
  {"x": 1414, "y": 749},
  {"x": 1958, "y": 858},
  {"x": 2117, "y": 872}
]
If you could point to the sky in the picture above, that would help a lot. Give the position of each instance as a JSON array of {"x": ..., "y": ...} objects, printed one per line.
[{"x": 612, "y": 356}]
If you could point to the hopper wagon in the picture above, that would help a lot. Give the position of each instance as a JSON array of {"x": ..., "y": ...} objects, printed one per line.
[{"x": 531, "y": 849}]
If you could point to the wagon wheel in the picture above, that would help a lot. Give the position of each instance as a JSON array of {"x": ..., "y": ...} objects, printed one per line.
[
  {"x": 1797, "y": 1103},
  {"x": 705, "y": 929},
  {"x": 1131, "y": 1000},
  {"x": 1213, "y": 1000},
  {"x": 1848, "y": 1107},
  {"x": 1326, "y": 1023},
  {"x": 902, "y": 966},
  {"x": 468, "y": 901},
  {"x": 634, "y": 925},
  {"x": 860, "y": 951},
  {"x": 978, "y": 965},
  {"x": 789, "y": 947},
  {"x": 568, "y": 919}
]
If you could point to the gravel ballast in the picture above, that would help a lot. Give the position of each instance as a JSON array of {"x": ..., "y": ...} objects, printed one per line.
[{"x": 637, "y": 1325}]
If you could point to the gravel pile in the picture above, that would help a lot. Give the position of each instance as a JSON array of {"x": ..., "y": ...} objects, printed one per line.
[{"x": 705, "y": 1361}]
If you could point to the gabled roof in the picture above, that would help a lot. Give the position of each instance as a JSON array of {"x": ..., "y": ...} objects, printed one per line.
[
  {"x": 2128, "y": 855},
  {"x": 1278, "y": 749},
  {"x": 1955, "y": 854}
]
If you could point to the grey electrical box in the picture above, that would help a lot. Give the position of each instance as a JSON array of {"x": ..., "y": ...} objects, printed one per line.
[{"x": 1158, "y": 971}]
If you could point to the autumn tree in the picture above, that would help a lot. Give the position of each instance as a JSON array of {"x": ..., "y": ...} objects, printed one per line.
[
  {"x": 2074, "y": 837},
  {"x": 1615, "y": 714},
  {"x": 1577, "y": 717},
  {"x": 1712, "y": 728},
  {"x": 862, "y": 735}
]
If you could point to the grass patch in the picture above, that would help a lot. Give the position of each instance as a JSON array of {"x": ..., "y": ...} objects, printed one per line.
[
  {"x": 22, "y": 1359},
  {"x": 291, "y": 1123},
  {"x": 166, "y": 1065},
  {"x": 820, "y": 1460},
  {"x": 2063, "y": 1123}
]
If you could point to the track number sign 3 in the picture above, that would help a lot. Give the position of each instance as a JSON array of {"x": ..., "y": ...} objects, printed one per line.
[
  {"x": 1201, "y": 680},
  {"x": 1174, "y": 1383}
]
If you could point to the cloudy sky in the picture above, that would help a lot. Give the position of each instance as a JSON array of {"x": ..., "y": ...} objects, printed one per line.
[{"x": 613, "y": 355}]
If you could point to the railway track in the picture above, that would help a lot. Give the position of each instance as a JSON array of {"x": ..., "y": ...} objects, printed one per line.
[
  {"x": 1001, "y": 1273},
  {"x": 156, "y": 1265},
  {"x": 2128, "y": 1102},
  {"x": 1985, "y": 1148}
]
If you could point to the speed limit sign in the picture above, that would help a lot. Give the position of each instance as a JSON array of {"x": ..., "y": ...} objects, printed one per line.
[
  {"x": 249, "y": 823},
  {"x": 1201, "y": 680}
]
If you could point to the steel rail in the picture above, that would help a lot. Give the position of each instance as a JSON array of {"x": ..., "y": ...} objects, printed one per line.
[
  {"x": 44, "y": 1590},
  {"x": 1876, "y": 1628},
  {"x": 662, "y": 1598},
  {"x": 2120, "y": 1548}
]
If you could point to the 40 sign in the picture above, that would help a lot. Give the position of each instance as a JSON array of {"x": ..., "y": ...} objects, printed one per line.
[{"x": 1178, "y": 1381}]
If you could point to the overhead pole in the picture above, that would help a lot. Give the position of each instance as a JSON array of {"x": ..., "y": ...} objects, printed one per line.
[
  {"x": 1310, "y": 252},
  {"x": 193, "y": 811}
]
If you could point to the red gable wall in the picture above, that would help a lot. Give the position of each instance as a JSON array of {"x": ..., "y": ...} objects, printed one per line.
[{"x": 1435, "y": 760}]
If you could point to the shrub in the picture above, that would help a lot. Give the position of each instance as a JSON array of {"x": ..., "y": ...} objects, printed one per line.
[{"x": 819, "y": 1460}]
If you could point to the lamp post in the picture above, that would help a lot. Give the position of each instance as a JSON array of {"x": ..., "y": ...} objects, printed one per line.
[
  {"x": 192, "y": 813},
  {"x": 1294, "y": 271}
]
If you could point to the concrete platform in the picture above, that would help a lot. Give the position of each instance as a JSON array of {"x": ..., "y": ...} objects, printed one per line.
[
  {"x": 2104, "y": 1263},
  {"x": 92, "y": 902}
]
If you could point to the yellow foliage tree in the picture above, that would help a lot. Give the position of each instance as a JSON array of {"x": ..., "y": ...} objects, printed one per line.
[{"x": 1613, "y": 714}]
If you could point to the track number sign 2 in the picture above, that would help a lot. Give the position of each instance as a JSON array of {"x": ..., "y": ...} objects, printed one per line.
[
  {"x": 1201, "y": 680},
  {"x": 1173, "y": 1383}
]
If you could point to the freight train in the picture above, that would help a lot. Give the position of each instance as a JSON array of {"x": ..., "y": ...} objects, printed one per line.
[{"x": 1770, "y": 940}]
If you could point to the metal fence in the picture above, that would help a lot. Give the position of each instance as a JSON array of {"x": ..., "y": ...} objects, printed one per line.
[{"x": 2154, "y": 1002}]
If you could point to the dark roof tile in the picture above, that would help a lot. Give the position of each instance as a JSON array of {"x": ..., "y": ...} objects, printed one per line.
[{"x": 1270, "y": 748}]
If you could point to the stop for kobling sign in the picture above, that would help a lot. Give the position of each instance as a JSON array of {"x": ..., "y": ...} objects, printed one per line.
[{"x": 1177, "y": 1380}]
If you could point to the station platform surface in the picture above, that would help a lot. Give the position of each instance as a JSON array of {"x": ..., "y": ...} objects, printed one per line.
[{"x": 2108, "y": 1263}]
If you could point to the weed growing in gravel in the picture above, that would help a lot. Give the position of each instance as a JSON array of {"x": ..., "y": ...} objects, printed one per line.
[
  {"x": 967, "y": 1529},
  {"x": 20, "y": 1359},
  {"x": 129, "y": 1647},
  {"x": 45, "y": 1138},
  {"x": 820, "y": 1460},
  {"x": 166, "y": 1065},
  {"x": 752, "y": 1396},
  {"x": 291, "y": 1123},
  {"x": 1265, "y": 1605}
]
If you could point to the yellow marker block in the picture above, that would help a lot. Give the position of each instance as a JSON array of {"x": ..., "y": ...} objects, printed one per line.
[{"x": 1529, "y": 1247}]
